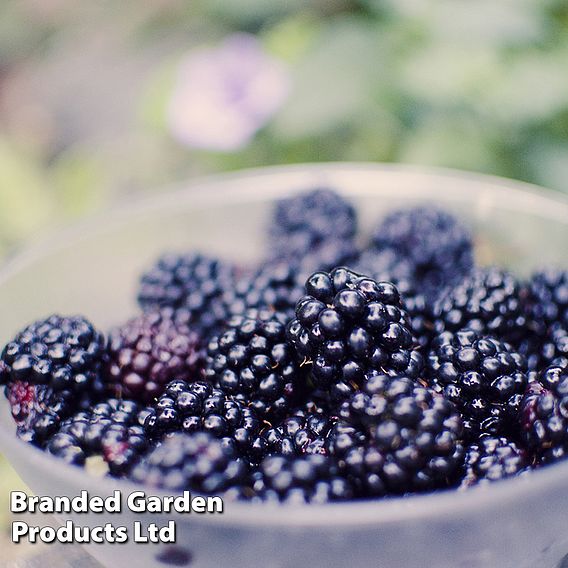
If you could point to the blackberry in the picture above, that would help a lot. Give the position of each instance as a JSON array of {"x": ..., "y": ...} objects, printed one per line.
[
  {"x": 547, "y": 309},
  {"x": 328, "y": 255},
  {"x": 492, "y": 459},
  {"x": 111, "y": 429},
  {"x": 306, "y": 222},
  {"x": 198, "y": 406},
  {"x": 386, "y": 266},
  {"x": 433, "y": 242},
  {"x": 348, "y": 324},
  {"x": 489, "y": 301},
  {"x": 484, "y": 377},
  {"x": 304, "y": 479},
  {"x": 197, "y": 462},
  {"x": 274, "y": 285},
  {"x": 151, "y": 350},
  {"x": 544, "y": 418},
  {"x": 252, "y": 359},
  {"x": 414, "y": 437},
  {"x": 51, "y": 368},
  {"x": 193, "y": 281}
]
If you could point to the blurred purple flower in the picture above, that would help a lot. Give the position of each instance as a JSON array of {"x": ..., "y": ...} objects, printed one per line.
[{"x": 224, "y": 95}]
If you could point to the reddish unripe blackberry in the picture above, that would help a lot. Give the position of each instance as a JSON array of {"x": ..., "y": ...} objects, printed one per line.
[
  {"x": 197, "y": 462},
  {"x": 490, "y": 301},
  {"x": 252, "y": 360},
  {"x": 484, "y": 377},
  {"x": 492, "y": 459},
  {"x": 193, "y": 281},
  {"x": 51, "y": 368},
  {"x": 151, "y": 350},
  {"x": 544, "y": 414},
  {"x": 347, "y": 325},
  {"x": 303, "y": 479},
  {"x": 199, "y": 407},
  {"x": 414, "y": 437},
  {"x": 111, "y": 429}
]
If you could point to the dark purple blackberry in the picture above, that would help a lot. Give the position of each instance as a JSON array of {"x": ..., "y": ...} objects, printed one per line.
[
  {"x": 346, "y": 325},
  {"x": 484, "y": 377},
  {"x": 489, "y": 301},
  {"x": 492, "y": 459},
  {"x": 548, "y": 299},
  {"x": 151, "y": 350},
  {"x": 252, "y": 360},
  {"x": 386, "y": 266},
  {"x": 547, "y": 314},
  {"x": 544, "y": 415},
  {"x": 196, "y": 407},
  {"x": 275, "y": 286},
  {"x": 303, "y": 479},
  {"x": 331, "y": 253},
  {"x": 433, "y": 242},
  {"x": 196, "y": 462},
  {"x": 51, "y": 368},
  {"x": 111, "y": 429},
  {"x": 414, "y": 437},
  {"x": 193, "y": 281},
  {"x": 303, "y": 223}
]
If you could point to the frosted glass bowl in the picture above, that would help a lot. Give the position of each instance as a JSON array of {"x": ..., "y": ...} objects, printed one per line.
[{"x": 92, "y": 269}]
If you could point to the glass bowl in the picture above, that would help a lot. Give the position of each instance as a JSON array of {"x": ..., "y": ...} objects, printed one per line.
[{"x": 92, "y": 269}]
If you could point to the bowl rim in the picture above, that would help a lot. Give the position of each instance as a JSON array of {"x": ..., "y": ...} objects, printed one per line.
[{"x": 362, "y": 512}]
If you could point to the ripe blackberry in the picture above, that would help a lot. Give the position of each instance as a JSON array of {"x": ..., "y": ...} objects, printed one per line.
[
  {"x": 414, "y": 437},
  {"x": 111, "y": 429},
  {"x": 196, "y": 462},
  {"x": 348, "y": 324},
  {"x": 433, "y": 242},
  {"x": 386, "y": 266},
  {"x": 194, "y": 281},
  {"x": 542, "y": 352},
  {"x": 303, "y": 223},
  {"x": 151, "y": 350},
  {"x": 484, "y": 377},
  {"x": 304, "y": 479},
  {"x": 548, "y": 299},
  {"x": 274, "y": 285},
  {"x": 51, "y": 368},
  {"x": 490, "y": 301},
  {"x": 544, "y": 416},
  {"x": 492, "y": 459},
  {"x": 195, "y": 407},
  {"x": 251, "y": 359}
]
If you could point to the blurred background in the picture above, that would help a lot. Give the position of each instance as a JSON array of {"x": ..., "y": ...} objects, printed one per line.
[{"x": 102, "y": 101}]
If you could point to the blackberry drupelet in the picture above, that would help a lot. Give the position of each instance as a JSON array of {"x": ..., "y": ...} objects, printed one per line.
[
  {"x": 111, "y": 429},
  {"x": 304, "y": 479},
  {"x": 492, "y": 459},
  {"x": 196, "y": 462},
  {"x": 433, "y": 242},
  {"x": 151, "y": 350},
  {"x": 543, "y": 416},
  {"x": 490, "y": 301},
  {"x": 251, "y": 359},
  {"x": 348, "y": 324},
  {"x": 274, "y": 285},
  {"x": 302, "y": 224},
  {"x": 414, "y": 437},
  {"x": 197, "y": 407},
  {"x": 484, "y": 377},
  {"x": 51, "y": 368},
  {"x": 193, "y": 281}
]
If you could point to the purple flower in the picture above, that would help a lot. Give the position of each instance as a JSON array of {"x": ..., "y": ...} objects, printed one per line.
[{"x": 224, "y": 95}]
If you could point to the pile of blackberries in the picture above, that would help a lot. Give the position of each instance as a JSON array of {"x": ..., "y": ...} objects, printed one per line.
[{"x": 330, "y": 371}]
